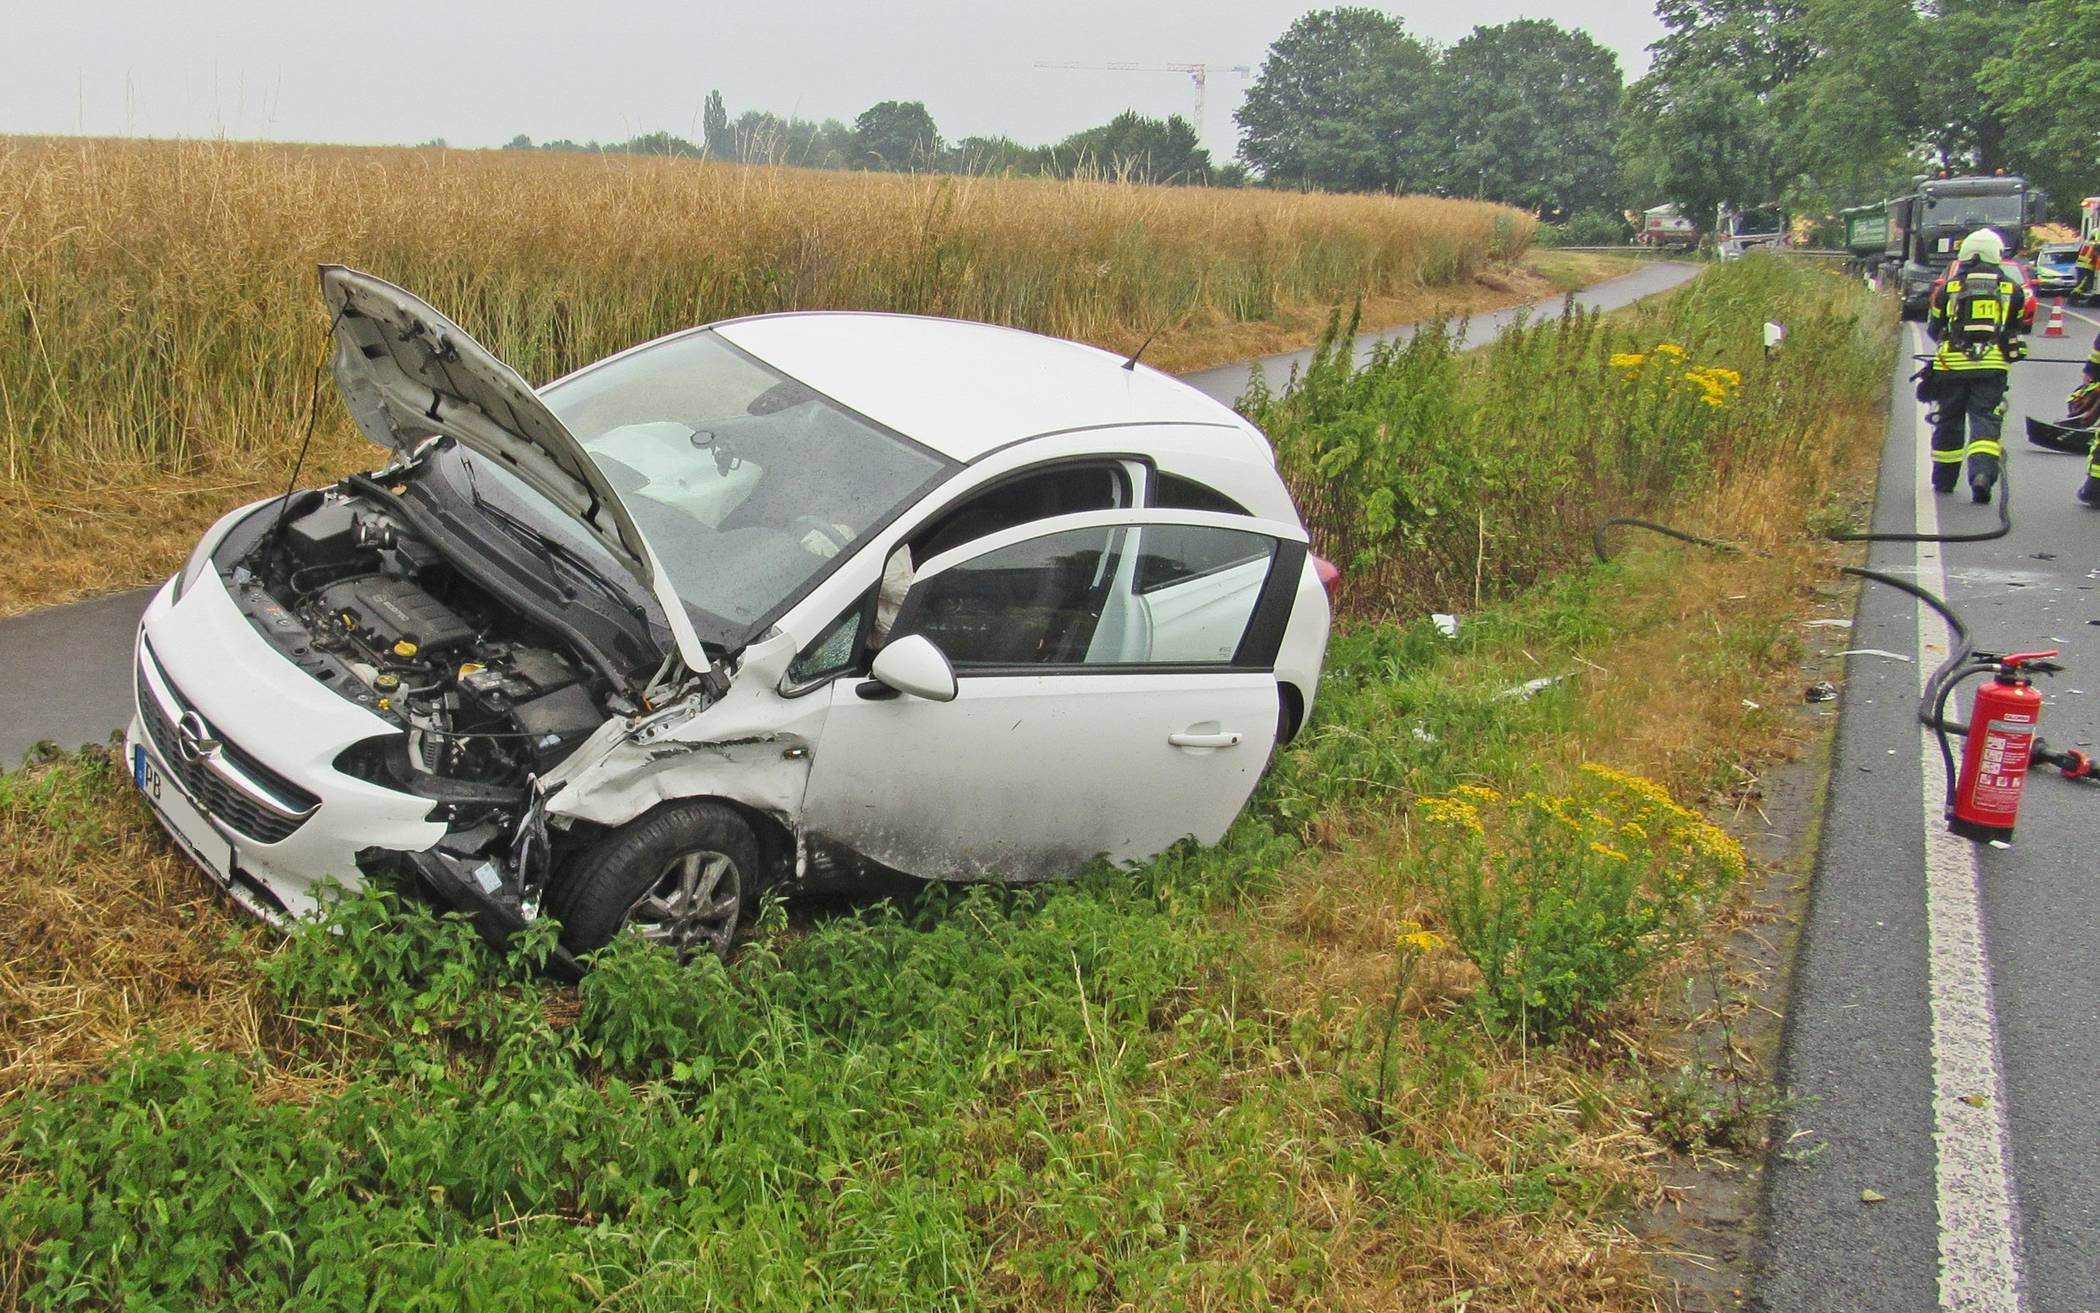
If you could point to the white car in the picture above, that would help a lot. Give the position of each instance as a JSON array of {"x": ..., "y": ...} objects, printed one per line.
[{"x": 773, "y": 601}]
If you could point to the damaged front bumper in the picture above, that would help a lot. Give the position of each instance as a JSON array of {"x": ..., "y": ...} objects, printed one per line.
[{"x": 476, "y": 886}]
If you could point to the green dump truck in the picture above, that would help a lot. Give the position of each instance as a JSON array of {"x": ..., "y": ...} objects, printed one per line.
[
  {"x": 1908, "y": 241},
  {"x": 1866, "y": 238}
]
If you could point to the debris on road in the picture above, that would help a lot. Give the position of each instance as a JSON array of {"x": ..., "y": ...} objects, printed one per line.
[
  {"x": 1872, "y": 651},
  {"x": 1822, "y": 691}
]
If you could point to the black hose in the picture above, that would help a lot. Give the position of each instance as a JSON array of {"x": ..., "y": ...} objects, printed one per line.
[
  {"x": 1964, "y": 645},
  {"x": 1941, "y": 727},
  {"x": 1604, "y": 552},
  {"x": 1979, "y": 536},
  {"x": 1940, "y": 686}
]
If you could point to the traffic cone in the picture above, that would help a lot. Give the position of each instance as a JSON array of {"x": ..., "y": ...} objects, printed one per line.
[{"x": 2056, "y": 320}]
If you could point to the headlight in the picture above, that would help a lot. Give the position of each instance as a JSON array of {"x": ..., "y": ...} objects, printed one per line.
[{"x": 200, "y": 558}]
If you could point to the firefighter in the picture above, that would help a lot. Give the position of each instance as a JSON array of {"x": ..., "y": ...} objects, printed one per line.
[
  {"x": 1974, "y": 316},
  {"x": 2084, "y": 405}
]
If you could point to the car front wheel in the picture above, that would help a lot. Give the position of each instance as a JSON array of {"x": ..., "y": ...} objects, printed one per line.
[{"x": 680, "y": 877}]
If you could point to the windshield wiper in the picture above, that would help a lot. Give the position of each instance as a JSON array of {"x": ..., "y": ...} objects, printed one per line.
[{"x": 549, "y": 548}]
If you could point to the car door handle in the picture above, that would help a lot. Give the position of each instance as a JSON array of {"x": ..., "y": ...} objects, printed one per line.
[{"x": 1224, "y": 739}]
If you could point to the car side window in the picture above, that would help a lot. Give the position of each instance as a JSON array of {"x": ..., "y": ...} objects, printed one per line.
[
  {"x": 1030, "y": 603},
  {"x": 837, "y": 649},
  {"x": 1040, "y": 494},
  {"x": 1193, "y": 592},
  {"x": 1176, "y": 552},
  {"x": 1173, "y": 492},
  {"x": 1106, "y": 596}
]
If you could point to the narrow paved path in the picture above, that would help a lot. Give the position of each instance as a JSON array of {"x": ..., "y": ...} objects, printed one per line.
[
  {"x": 1943, "y": 1043},
  {"x": 65, "y": 672}
]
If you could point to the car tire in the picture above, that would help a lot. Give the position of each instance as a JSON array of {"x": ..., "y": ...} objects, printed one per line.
[{"x": 681, "y": 876}]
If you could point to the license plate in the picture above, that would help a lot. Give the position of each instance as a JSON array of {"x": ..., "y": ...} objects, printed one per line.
[{"x": 180, "y": 817}]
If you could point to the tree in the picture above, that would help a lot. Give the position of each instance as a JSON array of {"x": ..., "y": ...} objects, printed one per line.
[
  {"x": 1853, "y": 115},
  {"x": 2047, "y": 88},
  {"x": 991, "y": 156},
  {"x": 1699, "y": 130},
  {"x": 519, "y": 142},
  {"x": 896, "y": 135},
  {"x": 1337, "y": 104},
  {"x": 658, "y": 143},
  {"x": 714, "y": 128},
  {"x": 1524, "y": 114},
  {"x": 1708, "y": 145},
  {"x": 1762, "y": 44},
  {"x": 1133, "y": 148},
  {"x": 1964, "y": 129}
]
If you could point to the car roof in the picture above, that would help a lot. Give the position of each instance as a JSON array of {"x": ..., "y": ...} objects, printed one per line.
[{"x": 964, "y": 388}]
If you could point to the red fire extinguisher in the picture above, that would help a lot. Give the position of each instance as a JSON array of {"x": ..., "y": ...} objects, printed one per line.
[{"x": 1994, "y": 760}]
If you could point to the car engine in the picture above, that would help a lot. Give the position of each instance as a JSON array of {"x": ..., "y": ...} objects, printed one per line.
[{"x": 350, "y": 594}]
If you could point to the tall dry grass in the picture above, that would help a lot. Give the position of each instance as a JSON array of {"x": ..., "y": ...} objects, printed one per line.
[
  {"x": 161, "y": 314},
  {"x": 166, "y": 311}
]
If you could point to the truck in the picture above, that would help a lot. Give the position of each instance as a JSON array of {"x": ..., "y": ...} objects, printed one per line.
[
  {"x": 2088, "y": 260},
  {"x": 1663, "y": 227},
  {"x": 1925, "y": 227},
  {"x": 1737, "y": 231},
  {"x": 1866, "y": 239}
]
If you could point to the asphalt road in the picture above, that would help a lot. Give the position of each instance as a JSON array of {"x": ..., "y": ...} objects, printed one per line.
[
  {"x": 1943, "y": 1040},
  {"x": 65, "y": 672}
]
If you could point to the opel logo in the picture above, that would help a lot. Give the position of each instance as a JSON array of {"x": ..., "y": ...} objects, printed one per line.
[{"x": 193, "y": 738}]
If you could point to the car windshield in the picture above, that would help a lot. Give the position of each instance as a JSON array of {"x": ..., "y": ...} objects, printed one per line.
[
  {"x": 2063, "y": 259},
  {"x": 1974, "y": 211},
  {"x": 747, "y": 484}
]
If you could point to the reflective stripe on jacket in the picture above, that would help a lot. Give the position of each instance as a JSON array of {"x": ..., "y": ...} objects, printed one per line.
[{"x": 1950, "y": 358}]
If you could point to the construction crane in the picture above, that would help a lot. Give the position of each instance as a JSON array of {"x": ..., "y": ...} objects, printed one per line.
[{"x": 1197, "y": 73}]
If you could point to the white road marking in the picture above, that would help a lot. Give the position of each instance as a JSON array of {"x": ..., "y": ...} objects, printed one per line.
[{"x": 1979, "y": 1242}]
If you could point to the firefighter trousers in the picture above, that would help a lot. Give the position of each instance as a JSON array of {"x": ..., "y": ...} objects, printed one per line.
[{"x": 1966, "y": 426}]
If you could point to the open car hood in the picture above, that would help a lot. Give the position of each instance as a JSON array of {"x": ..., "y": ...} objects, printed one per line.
[{"x": 407, "y": 373}]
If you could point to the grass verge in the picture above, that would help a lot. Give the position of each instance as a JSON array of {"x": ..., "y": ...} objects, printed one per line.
[{"x": 1256, "y": 1074}]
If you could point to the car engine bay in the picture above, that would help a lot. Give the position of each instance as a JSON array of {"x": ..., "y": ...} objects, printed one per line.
[{"x": 352, "y": 594}]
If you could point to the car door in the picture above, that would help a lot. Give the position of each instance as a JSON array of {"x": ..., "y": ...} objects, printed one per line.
[{"x": 1115, "y": 693}]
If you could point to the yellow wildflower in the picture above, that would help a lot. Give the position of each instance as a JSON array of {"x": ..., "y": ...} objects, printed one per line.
[
  {"x": 1628, "y": 359},
  {"x": 1669, "y": 349},
  {"x": 1422, "y": 941},
  {"x": 1478, "y": 793},
  {"x": 1607, "y": 850},
  {"x": 1634, "y": 830},
  {"x": 1645, "y": 789},
  {"x": 1451, "y": 811}
]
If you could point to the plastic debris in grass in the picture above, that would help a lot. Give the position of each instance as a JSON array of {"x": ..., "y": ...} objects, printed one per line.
[{"x": 1531, "y": 687}]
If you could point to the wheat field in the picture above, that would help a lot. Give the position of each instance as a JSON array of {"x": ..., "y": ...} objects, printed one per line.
[{"x": 162, "y": 314}]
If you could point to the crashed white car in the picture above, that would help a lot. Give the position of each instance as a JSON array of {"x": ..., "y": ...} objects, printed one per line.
[{"x": 771, "y": 602}]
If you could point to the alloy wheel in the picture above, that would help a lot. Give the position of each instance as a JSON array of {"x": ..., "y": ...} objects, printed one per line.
[{"x": 693, "y": 904}]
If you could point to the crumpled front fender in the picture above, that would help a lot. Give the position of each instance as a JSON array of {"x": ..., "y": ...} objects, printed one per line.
[{"x": 750, "y": 747}]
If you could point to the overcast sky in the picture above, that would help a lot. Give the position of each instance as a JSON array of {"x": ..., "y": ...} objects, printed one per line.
[{"x": 387, "y": 71}]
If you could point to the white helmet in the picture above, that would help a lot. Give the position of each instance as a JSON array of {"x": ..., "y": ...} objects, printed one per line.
[{"x": 1984, "y": 245}]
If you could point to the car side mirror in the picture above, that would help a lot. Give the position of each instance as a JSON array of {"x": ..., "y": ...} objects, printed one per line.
[{"x": 912, "y": 664}]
